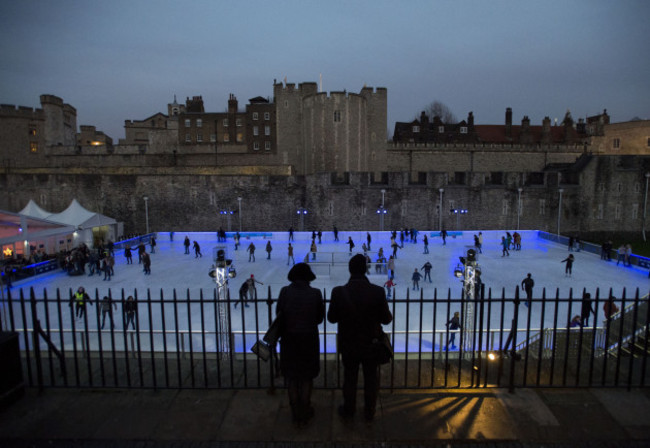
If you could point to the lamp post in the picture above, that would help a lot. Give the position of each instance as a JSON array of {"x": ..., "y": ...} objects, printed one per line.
[
  {"x": 302, "y": 212},
  {"x": 228, "y": 214},
  {"x": 559, "y": 212},
  {"x": 381, "y": 211},
  {"x": 458, "y": 212},
  {"x": 146, "y": 213},
  {"x": 239, "y": 201},
  {"x": 441, "y": 190},
  {"x": 645, "y": 203},
  {"x": 519, "y": 190}
]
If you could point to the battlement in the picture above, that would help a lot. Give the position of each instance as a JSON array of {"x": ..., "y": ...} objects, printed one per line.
[
  {"x": 51, "y": 99},
  {"x": 8, "y": 110},
  {"x": 459, "y": 147}
]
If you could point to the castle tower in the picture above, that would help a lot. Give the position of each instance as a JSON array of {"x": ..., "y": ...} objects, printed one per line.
[{"x": 60, "y": 121}]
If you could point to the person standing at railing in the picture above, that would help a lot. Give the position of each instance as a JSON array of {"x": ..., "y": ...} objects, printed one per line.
[
  {"x": 301, "y": 309},
  {"x": 130, "y": 309},
  {"x": 586, "y": 309},
  {"x": 359, "y": 308},
  {"x": 610, "y": 308}
]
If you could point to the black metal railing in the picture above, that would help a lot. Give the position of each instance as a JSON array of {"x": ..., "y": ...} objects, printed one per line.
[{"x": 205, "y": 341}]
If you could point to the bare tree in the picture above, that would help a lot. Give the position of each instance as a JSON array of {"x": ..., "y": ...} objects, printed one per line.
[{"x": 438, "y": 109}]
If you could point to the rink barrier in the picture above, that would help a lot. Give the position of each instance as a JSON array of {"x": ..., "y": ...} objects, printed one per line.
[{"x": 175, "y": 343}]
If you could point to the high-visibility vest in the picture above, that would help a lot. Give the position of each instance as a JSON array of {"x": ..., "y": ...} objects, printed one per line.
[{"x": 80, "y": 297}]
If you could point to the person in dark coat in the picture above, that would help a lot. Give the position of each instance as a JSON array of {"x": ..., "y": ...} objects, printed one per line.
[
  {"x": 586, "y": 309},
  {"x": 359, "y": 308},
  {"x": 302, "y": 310}
]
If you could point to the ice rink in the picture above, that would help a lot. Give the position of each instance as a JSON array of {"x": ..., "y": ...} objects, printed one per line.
[{"x": 173, "y": 270}]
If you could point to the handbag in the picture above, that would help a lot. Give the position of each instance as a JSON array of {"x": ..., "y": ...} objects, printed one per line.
[
  {"x": 263, "y": 348},
  {"x": 382, "y": 349}
]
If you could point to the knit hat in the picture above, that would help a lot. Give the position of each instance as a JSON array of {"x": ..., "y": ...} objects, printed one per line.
[
  {"x": 357, "y": 264},
  {"x": 301, "y": 271}
]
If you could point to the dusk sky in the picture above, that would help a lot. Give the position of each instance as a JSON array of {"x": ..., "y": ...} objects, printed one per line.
[{"x": 121, "y": 60}]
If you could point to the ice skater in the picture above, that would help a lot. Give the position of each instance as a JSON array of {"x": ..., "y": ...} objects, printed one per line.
[
  {"x": 527, "y": 285},
  {"x": 251, "y": 252},
  {"x": 80, "y": 298},
  {"x": 290, "y": 259},
  {"x": 252, "y": 291},
  {"x": 197, "y": 250},
  {"x": 268, "y": 250},
  {"x": 368, "y": 239},
  {"x": 186, "y": 243},
  {"x": 130, "y": 309},
  {"x": 106, "y": 307},
  {"x": 313, "y": 249},
  {"x": 569, "y": 265},
  {"x": 504, "y": 246},
  {"x": 416, "y": 279},
  {"x": 243, "y": 292},
  {"x": 427, "y": 271},
  {"x": 351, "y": 244},
  {"x": 389, "y": 285},
  {"x": 425, "y": 240},
  {"x": 453, "y": 325},
  {"x": 443, "y": 234},
  {"x": 586, "y": 309}
]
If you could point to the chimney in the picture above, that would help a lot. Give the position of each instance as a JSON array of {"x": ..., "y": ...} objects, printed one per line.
[
  {"x": 546, "y": 130},
  {"x": 470, "y": 120},
  {"x": 232, "y": 104},
  {"x": 424, "y": 119},
  {"x": 509, "y": 122}
]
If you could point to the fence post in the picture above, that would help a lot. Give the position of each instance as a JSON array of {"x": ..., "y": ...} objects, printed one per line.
[
  {"x": 513, "y": 351},
  {"x": 35, "y": 340}
]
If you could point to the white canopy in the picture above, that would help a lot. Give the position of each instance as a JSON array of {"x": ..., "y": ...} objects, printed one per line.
[
  {"x": 77, "y": 215},
  {"x": 33, "y": 210}
]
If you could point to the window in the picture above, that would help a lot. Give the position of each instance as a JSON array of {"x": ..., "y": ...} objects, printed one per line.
[
  {"x": 635, "y": 211},
  {"x": 199, "y": 123},
  {"x": 286, "y": 103},
  {"x": 617, "y": 211},
  {"x": 255, "y": 115},
  {"x": 441, "y": 129},
  {"x": 213, "y": 138},
  {"x": 267, "y": 115},
  {"x": 212, "y": 198},
  {"x": 188, "y": 138},
  {"x": 463, "y": 129},
  {"x": 238, "y": 122},
  {"x": 267, "y": 145},
  {"x": 364, "y": 208},
  {"x": 33, "y": 147},
  {"x": 542, "y": 207},
  {"x": 175, "y": 111},
  {"x": 452, "y": 205},
  {"x": 43, "y": 199},
  {"x": 600, "y": 186},
  {"x": 404, "y": 210},
  {"x": 331, "y": 208},
  {"x": 256, "y": 130},
  {"x": 256, "y": 146},
  {"x": 416, "y": 129},
  {"x": 225, "y": 122},
  {"x": 504, "y": 207},
  {"x": 616, "y": 143},
  {"x": 226, "y": 138},
  {"x": 188, "y": 123},
  {"x": 337, "y": 116},
  {"x": 32, "y": 130},
  {"x": 599, "y": 211},
  {"x": 199, "y": 138},
  {"x": 267, "y": 130},
  {"x": 240, "y": 137},
  {"x": 619, "y": 187},
  {"x": 648, "y": 142}
]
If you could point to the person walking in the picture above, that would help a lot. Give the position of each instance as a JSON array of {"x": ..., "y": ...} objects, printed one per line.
[
  {"x": 360, "y": 309},
  {"x": 252, "y": 291},
  {"x": 186, "y": 243},
  {"x": 290, "y": 258},
  {"x": 128, "y": 255},
  {"x": 569, "y": 265},
  {"x": 416, "y": 279},
  {"x": 106, "y": 306},
  {"x": 243, "y": 292},
  {"x": 527, "y": 285},
  {"x": 80, "y": 299},
  {"x": 268, "y": 250},
  {"x": 504, "y": 246},
  {"x": 251, "y": 252},
  {"x": 301, "y": 310},
  {"x": 586, "y": 308},
  {"x": 313, "y": 249},
  {"x": 453, "y": 325},
  {"x": 389, "y": 285},
  {"x": 146, "y": 262},
  {"x": 130, "y": 309},
  {"x": 197, "y": 250},
  {"x": 427, "y": 270}
]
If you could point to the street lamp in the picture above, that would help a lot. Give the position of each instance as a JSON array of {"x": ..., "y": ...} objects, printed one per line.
[
  {"x": 228, "y": 214},
  {"x": 302, "y": 212},
  {"x": 381, "y": 211},
  {"x": 519, "y": 190},
  {"x": 559, "y": 212},
  {"x": 458, "y": 212},
  {"x": 239, "y": 201},
  {"x": 645, "y": 202},
  {"x": 441, "y": 190},
  {"x": 146, "y": 213}
]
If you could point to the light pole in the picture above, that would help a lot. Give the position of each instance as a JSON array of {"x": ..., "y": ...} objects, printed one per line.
[
  {"x": 146, "y": 213},
  {"x": 559, "y": 212},
  {"x": 302, "y": 212},
  {"x": 239, "y": 201},
  {"x": 645, "y": 202},
  {"x": 441, "y": 190},
  {"x": 228, "y": 214},
  {"x": 382, "y": 211},
  {"x": 519, "y": 205},
  {"x": 458, "y": 212}
]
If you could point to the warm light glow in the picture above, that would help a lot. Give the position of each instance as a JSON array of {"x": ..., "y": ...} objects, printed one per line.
[
  {"x": 96, "y": 143},
  {"x": 7, "y": 252},
  {"x": 492, "y": 356}
]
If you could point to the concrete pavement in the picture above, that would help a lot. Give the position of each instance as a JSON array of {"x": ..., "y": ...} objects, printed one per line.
[{"x": 242, "y": 418}]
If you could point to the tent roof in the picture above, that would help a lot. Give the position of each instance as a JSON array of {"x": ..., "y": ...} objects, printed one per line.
[
  {"x": 77, "y": 215},
  {"x": 17, "y": 227},
  {"x": 33, "y": 210}
]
